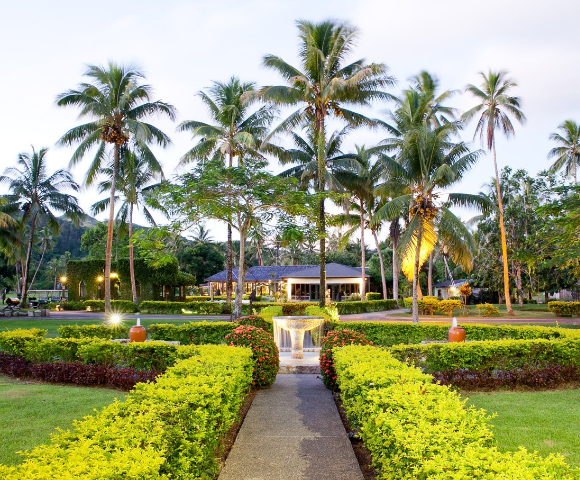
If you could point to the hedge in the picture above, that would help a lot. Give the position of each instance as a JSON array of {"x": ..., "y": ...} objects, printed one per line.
[
  {"x": 415, "y": 429},
  {"x": 94, "y": 331},
  {"x": 169, "y": 429},
  {"x": 394, "y": 333},
  {"x": 561, "y": 309},
  {"x": 174, "y": 308},
  {"x": 195, "y": 333},
  {"x": 373, "y": 296},
  {"x": 345, "y": 308}
]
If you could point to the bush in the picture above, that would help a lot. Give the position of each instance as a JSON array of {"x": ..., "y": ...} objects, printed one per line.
[
  {"x": 154, "y": 356},
  {"x": 416, "y": 429},
  {"x": 268, "y": 313},
  {"x": 345, "y": 308},
  {"x": 119, "y": 306},
  {"x": 171, "y": 428},
  {"x": 195, "y": 333},
  {"x": 355, "y": 297},
  {"x": 427, "y": 305},
  {"x": 565, "y": 309},
  {"x": 447, "y": 306},
  {"x": 94, "y": 331},
  {"x": 256, "y": 321},
  {"x": 334, "y": 339},
  {"x": 373, "y": 296},
  {"x": 394, "y": 333},
  {"x": 487, "y": 310},
  {"x": 293, "y": 309},
  {"x": 15, "y": 342},
  {"x": 264, "y": 353},
  {"x": 74, "y": 305},
  {"x": 176, "y": 308}
]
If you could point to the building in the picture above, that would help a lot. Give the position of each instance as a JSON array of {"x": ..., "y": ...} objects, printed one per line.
[
  {"x": 450, "y": 288},
  {"x": 299, "y": 282}
]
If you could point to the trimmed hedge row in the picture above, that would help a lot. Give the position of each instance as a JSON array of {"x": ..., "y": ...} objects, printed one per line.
[
  {"x": 565, "y": 309},
  {"x": 195, "y": 333},
  {"x": 345, "y": 308},
  {"x": 120, "y": 306},
  {"x": 169, "y": 429},
  {"x": 415, "y": 429},
  {"x": 94, "y": 331},
  {"x": 176, "y": 308},
  {"x": 394, "y": 333}
]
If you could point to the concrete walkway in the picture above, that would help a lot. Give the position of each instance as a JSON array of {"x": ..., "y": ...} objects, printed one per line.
[{"x": 292, "y": 431}]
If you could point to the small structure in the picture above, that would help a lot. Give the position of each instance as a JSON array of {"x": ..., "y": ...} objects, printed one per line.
[{"x": 450, "y": 288}]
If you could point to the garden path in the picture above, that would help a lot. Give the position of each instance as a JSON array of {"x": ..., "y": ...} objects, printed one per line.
[{"x": 292, "y": 431}]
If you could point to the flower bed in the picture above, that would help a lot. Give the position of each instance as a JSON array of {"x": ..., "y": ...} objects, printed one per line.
[{"x": 419, "y": 430}]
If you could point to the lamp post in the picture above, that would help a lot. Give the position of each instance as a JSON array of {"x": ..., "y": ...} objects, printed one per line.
[
  {"x": 100, "y": 279},
  {"x": 63, "y": 280},
  {"x": 115, "y": 276}
]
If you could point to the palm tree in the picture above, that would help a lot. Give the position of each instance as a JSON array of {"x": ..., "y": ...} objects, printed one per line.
[
  {"x": 202, "y": 235},
  {"x": 235, "y": 133},
  {"x": 134, "y": 176},
  {"x": 323, "y": 86},
  {"x": 37, "y": 194},
  {"x": 568, "y": 153},
  {"x": 47, "y": 242},
  {"x": 494, "y": 108},
  {"x": 117, "y": 104}
]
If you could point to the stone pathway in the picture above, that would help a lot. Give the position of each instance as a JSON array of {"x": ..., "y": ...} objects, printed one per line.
[{"x": 292, "y": 431}]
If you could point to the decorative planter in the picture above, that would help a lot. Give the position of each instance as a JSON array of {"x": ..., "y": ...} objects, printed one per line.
[
  {"x": 137, "y": 333},
  {"x": 456, "y": 334}
]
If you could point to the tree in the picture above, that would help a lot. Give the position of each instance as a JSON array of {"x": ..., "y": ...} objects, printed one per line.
[
  {"x": 47, "y": 242},
  {"x": 201, "y": 260},
  {"x": 494, "y": 109},
  {"x": 117, "y": 104},
  {"x": 235, "y": 133},
  {"x": 324, "y": 85},
  {"x": 37, "y": 193},
  {"x": 134, "y": 177},
  {"x": 567, "y": 154}
]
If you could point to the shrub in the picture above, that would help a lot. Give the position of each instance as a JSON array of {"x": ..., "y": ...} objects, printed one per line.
[
  {"x": 373, "y": 296},
  {"x": 416, "y": 429},
  {"x": 155, "y": 356},
  {"x": 427, "y": 305},
  {"x": 346, "y": 308},
  {"x": 55, "y": 349},
  {"x": 487, "y": 310},
  {"x": 120, "y": 306},
  {"x": 94, "y": 331},
  {"x": 74, "y": 305},
  {"x": 268, "y": 313},
  {"x": 334, "y": 339},
  {"x": 195, "y": 333},
  {"x": 289, "y": 309},
  {"x": 565, "y": 309},
  {"x": 447, "y": 306},
  {"x": 256, "y": 321},
  {"x": 171, "y": 428},
  {"x": 355, "y": 297},
  {"x": 264, "y": 352},
  {"x": 176, "y": 308},
  {"x": 15, "y": 342}
]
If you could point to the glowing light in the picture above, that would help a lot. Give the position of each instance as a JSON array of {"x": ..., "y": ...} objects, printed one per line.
[
  {"x": 186, "y": 312},
  {"x": 63, "y": 279},
  {"x": 114, "y": 275},
  {"x": 89, "y": 309},
  {"x": 100, "y": 278},
  {"x": 115, "y": 319}
]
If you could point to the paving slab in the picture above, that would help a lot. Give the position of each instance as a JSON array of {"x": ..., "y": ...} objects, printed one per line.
[{"x": 292, "y": 431}]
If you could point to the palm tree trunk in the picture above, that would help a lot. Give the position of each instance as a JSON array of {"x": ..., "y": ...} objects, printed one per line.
[
  {"x": 110, "y": 228},
  {"x": 38, "y": 266},
  {"x": 241, "y": 274},
  {"x": 381, "y": 262},
  {"x": 18, "y": 290},
  {"x": 131, "y": 258},
  {"x": 230, "y": 261},
  {"x": 430, "y": 276},
  {"x": 26, "y": 269},
  {"x": 416, "y": 274},
  {"x": 321, "y": 164},
  {"x": 519, "y": 285},
  {"x": 394, "y": 231},
  {"x": 363, "y": 285},
  {"x": 506, "y": 280}
]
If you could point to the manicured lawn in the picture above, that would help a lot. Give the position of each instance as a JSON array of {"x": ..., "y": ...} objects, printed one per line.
[
  {"x": 548, "y": 421},
  {"x": 52, "y": 324},
  {"x": 29, "y": 412}
]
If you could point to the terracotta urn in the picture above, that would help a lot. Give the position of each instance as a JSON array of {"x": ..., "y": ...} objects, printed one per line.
[
  {"x": 456, "y": 333},
  {"x": 137, "y": 333}
]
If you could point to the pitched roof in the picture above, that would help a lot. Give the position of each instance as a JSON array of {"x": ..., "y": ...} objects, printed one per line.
[
  {"x": 448, "y": 283},
  {"x": 278, "y": 272}
]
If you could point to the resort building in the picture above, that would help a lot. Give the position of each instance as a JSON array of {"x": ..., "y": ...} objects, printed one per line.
[{"x": 299, "y": 282}]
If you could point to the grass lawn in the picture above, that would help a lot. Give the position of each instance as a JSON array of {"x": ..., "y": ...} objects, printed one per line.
[
  {"x": 546, "y": 422},
  {"x": 29, "y": 412}
]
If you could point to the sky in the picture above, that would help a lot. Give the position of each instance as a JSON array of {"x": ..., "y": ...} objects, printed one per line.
[{"x": 182, "y": 46}]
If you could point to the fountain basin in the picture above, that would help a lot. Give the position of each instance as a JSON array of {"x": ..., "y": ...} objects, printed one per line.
[{"x": 297, "y": 325}]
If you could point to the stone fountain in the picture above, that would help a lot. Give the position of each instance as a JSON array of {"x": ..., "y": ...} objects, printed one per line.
[{"x": 297, "y": 326}]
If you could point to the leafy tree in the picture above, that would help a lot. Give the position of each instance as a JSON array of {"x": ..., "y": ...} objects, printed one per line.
[
  {"x": 47, "y": 242},
  {"x": 567, "y": 154},
  {"x": 495, "y": 107},
  {"x": 117, "y": 104},
  {"x": 94, "y": 241},
  {"x": 37, "y": 194},
  {"x": 324, "y": 85},
  {"x": 201, "y": 260}
]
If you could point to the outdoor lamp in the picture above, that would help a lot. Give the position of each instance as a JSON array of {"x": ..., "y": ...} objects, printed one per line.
[{"x": 63, "y": 280}]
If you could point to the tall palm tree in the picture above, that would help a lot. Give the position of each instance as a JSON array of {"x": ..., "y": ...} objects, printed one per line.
[
  {"x": 568, "y": 152},
  {"x": 495, "y": 107},
  {"x": 202, "y": 235},
  {"x": 37, "y": 193},
  {"x": 47, "y": 242},
  {"x": 236, "y": 132},
  {"x": 117, "y": 104},
  {"x": 133, "y": 187},
  {"x": 323, "y": 86}
]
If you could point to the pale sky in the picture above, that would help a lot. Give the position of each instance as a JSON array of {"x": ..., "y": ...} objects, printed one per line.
[{"x": 183, "y": 45}]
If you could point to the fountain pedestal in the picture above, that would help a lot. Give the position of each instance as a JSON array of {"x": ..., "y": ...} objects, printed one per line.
[{"x": 297, "y": 325}]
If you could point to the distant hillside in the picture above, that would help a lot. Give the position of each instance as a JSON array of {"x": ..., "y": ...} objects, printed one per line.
[{"x": 69, "y": 239}]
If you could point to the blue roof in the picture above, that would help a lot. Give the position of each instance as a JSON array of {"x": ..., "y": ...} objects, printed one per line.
[{"x": 279, "y": 272}]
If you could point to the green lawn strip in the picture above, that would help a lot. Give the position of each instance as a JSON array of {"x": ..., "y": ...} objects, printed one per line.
[
  {"x": 52, "y": 324},
  {"x": 29, "y": 412},
  {"x": 546, "y": 422}
]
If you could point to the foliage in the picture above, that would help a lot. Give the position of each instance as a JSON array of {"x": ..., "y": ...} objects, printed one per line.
[
  {"x": 335, "y": 339},
  {"x": 345, "y": 308},
  {"x": 487, "y": 310},
  {"x": 197, "y": 333},
  {"x": 416, "y": 429},
  {"x": 199, "y": 308},
  {"x": 256, "y": 321},
  {"x": 94, "y": 241},
  {"x": 561, "y": 309},
  {"x": 264, "y": 352},
  {"x": 293, "y": 309},
  {"x": 94, "y": 331},
  {"x": 448, "y": 306},
  {"x": 154, "y": 356},
  {"x": 119, "y": 306},
  {"x": 169, "y": 428},
  {"x": 15, "y": 342},
  {"x": 373, "y": 296},
  {"x": 201, "y": 261},
  {"x": 330, "y": 314},
  {"x": 427, "y": 305}
]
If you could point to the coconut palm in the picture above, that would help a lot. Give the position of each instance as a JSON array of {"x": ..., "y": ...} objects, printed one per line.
[
  {"x": 202, "y": 235},
  {"x": 235, "y": 132},
  {"x": 133, "y": 187},
  {"x": 324, "y": 85},
  {"x": 37, "y": 193},
  {"x": 47, "y": 242},
  {"x": 495, "y": 107},
  {"x": 567, "y": 154},
  {"x": 117, "y": 105}
]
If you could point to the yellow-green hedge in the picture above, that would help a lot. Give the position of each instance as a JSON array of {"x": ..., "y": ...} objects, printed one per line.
[
  {"x": 415, "y": 429},
  {"x": 169, "y": 429}
]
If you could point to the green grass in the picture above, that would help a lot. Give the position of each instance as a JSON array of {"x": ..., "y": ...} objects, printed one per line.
[
  {"x": 527, "y": 311},
  {"x": 52, "y": 324},
  {"x": 29, "y": 412},
  {"x": 546, "y": 422}
]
